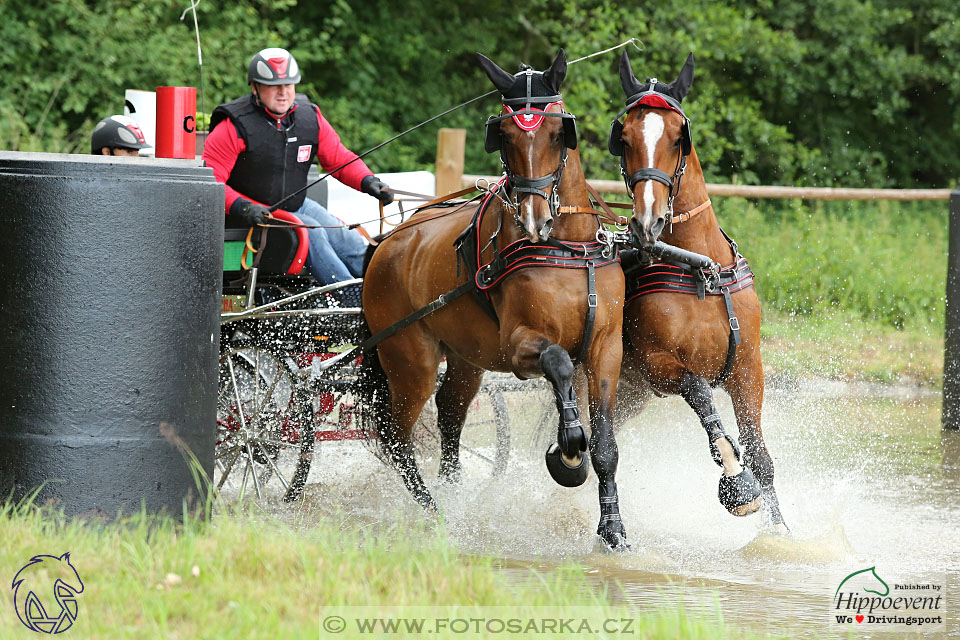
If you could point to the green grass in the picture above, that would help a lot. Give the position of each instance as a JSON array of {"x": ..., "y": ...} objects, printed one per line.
[
  {"x": 851, "y": 290},
  {"x": 843, "y": 346},
  {"x": 248, "y": 576},
  {"x": 880, "y": 261}
]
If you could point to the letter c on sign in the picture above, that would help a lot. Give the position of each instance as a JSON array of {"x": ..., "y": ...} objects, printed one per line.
[{"x": 189, "y": 124}]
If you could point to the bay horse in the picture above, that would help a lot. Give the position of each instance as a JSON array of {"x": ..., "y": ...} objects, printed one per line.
[
  {"x": 531, "y": 256},
  {"x": 690, "y": 329}
]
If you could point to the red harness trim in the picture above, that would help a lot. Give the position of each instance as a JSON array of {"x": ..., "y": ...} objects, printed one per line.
[
  {"x": 668, "y": 278},
  {"x": 527, "y": 255},
  {"x": 655, "y": 101},
  {"x": 522, "y": 254},
  {"x": 534, "y": 121}
]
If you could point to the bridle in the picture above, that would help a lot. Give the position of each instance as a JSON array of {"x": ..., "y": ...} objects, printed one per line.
[
  {"x": 651, "y": 98},
  {"x": 518, "y": 187}
]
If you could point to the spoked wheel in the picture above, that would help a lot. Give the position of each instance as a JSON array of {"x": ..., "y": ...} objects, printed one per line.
[
  {"x": 264, "y": 435},
  {"x": 485, "y": 438}
]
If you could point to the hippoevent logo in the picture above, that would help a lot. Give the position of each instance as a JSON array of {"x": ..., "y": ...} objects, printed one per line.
[
  {"x": 45, "y": 593},
  {"x": 864, "y": 598}
]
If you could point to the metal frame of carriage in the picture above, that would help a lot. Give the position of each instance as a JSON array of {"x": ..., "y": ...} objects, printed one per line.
[{"x": 274, "y": 403}]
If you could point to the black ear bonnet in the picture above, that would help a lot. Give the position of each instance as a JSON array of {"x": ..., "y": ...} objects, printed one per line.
[
  {"x": 651, "y": 95},
  {"x": 527, "y": 101}
]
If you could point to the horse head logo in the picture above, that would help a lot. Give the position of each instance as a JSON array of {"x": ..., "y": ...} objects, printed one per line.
[
  {"x": 45, "y": 594},
  {"x": 866, "y": 580}
]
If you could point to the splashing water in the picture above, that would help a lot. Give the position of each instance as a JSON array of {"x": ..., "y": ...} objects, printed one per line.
[{"x": 864, "y": 479}]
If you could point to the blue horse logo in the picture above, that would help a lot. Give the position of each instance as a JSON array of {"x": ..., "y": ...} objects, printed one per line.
[{"x": 32, "y": 587}]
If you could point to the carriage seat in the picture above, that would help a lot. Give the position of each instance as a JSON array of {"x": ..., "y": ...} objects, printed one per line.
[{"x": 282, "y": 247}]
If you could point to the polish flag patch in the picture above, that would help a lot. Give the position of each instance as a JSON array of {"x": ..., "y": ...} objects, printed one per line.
[{"x": 303, "y": 153}]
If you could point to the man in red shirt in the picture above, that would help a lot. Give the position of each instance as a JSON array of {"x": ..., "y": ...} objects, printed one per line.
[{"x": 261, "y": 146}]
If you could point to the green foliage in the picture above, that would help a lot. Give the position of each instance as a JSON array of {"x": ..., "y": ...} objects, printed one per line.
[
  {"x": 881, "y": 261},
  {"x": 814, "y": 92}
]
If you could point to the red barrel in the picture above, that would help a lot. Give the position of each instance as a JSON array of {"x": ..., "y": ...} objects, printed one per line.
[{"x": 176, "y": 122}]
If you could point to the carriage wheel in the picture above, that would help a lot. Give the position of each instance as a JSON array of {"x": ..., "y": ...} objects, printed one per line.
[{"x": 263, "y": 436}]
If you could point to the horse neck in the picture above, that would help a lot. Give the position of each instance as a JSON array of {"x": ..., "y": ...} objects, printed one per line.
[{"x": 701, "y": 233}]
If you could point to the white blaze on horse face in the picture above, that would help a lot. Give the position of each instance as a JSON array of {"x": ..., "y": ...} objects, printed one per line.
[
  {"x": 529, "y": 219},
  {"x": 652, "y": 132}
]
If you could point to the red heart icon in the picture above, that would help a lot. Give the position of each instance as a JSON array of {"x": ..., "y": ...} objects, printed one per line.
[{"x": 859, "y": 618}]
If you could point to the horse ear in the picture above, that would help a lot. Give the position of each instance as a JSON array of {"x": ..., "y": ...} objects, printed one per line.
[
  {"x": 66, "y": 557},
  {"x": 500, "y": 78},
  {"x": 553, "y": 77},
  {"x": 684, "y": 81},
  {"x": 627, "y": 80}
]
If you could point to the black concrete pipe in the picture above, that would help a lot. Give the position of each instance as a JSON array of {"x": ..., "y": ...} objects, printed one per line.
[
  {"x": 951, "y": 356},
  {"x": 110, "y": 279}
]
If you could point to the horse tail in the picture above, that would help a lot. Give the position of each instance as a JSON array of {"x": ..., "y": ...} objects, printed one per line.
[{"x": 373, "y": 393}]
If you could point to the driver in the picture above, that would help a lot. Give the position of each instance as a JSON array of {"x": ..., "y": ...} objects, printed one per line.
[{"x": 261, "y": 146}]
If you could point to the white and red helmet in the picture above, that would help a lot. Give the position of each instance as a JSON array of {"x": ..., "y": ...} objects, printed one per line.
[
  {"x": 273, "y": 66},
  {"x": 117, "y": 132}
]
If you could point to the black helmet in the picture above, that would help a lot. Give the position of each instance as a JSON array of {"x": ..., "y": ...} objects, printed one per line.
[
  {"x": 117, "y": 131},
  {"x": 273, "y": 66}
]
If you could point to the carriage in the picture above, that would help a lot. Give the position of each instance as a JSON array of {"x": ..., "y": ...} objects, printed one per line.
[
  {"x": 294, "y": 356},
  {"x": 275, "y": 401}
]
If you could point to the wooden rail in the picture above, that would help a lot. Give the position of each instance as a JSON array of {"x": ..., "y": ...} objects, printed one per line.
[
  {"x": 756, "y": 191},
  {"x": 449, "y": 147}
]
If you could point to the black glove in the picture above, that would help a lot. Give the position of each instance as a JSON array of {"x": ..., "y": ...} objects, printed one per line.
[
  {"x": 379, "y": 190},
  {"x": 252, "y": 213}
]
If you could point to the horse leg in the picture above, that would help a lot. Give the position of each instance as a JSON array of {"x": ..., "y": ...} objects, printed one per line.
[
  {"x": 411, "y": 368},
  {"x": 603, "y": 448},
  {"x": 739, "y": 492},
  {"x": 533, "y": 354},
  {"x": 458, "y": 388},
  {"x": 565, "y": 459},
  {"x": 746, "y": 390}
]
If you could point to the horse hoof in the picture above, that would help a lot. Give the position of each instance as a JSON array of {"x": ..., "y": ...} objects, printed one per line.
[
  {"x": 566, "y": 472},
  {"x": 613, "y": 542},
  {"x": 740, "y": 494},
  {"x": 449, "y": 473}
]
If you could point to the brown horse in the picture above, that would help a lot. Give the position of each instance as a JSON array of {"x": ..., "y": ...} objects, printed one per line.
[
  {"x": 539, "y": 314},
  {"x": 681, "y": 343}
]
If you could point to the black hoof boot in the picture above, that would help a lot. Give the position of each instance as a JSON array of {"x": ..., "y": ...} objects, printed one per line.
[
  {"x": 566, "y": 473},
  {"x": 450, "y": 471},
  {"x": 613, "y": 534},
  {"x": 740, "y": 494}
]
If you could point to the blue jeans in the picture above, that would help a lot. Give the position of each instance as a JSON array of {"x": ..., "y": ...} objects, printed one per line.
[{"x": 336, "y": 253}]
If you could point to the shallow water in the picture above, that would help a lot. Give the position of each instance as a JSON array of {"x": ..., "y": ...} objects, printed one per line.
[{"x": 865, "y": 478}]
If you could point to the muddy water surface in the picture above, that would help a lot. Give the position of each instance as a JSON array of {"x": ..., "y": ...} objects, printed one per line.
[{"x": 865, "y": 478}]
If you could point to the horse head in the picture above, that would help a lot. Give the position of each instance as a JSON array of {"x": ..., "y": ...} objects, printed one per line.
[
  {"x": 653, "y": 142},
  {"x": 533, "y": 134}
]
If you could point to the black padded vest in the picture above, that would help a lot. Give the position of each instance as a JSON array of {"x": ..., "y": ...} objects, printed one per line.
[{"x": 276, "y": 161}]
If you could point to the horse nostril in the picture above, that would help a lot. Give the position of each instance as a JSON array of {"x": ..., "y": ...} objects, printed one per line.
[
  {"x": 657, "y": 227},
  {"x": 546, "y": 229}
]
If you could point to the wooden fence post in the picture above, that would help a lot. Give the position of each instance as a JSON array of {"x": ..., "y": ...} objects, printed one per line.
[
  {"x": 951, "y": 355},
  {"x": 450, "y": 146}
]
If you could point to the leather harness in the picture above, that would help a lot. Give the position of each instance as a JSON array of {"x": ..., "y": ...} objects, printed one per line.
[{"x": 678, "y": 277}]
